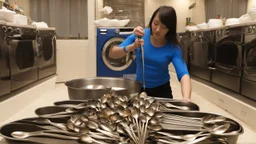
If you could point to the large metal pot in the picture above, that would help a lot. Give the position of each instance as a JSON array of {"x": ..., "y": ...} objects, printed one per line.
[{"x": 124, "y": 87}]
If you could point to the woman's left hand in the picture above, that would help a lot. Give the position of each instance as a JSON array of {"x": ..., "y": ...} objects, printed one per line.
[{"x": 186, "y": 99}]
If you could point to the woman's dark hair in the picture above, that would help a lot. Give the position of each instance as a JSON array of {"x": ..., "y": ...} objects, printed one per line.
[{"x": 167, "y": 16}]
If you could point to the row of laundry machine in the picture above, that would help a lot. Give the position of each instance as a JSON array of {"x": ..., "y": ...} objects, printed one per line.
[
  {"x": 225, "y": 56},
  {"x": 27, "y": 54}
]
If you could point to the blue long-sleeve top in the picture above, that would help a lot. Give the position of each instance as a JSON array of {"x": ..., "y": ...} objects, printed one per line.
[{"x": 156, "y": 61}]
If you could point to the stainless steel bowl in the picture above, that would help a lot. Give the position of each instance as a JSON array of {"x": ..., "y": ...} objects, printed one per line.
[{"x": 122, "y": 86}]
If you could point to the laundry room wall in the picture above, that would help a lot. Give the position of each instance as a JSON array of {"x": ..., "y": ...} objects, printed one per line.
[
  {"x": 77, "y": 58},
  {"x": 251, "y": 4},
  {"x": 23, "y": 4},
  {"x": 126, "y": 9},
  {"x": 197, "y": 14}
]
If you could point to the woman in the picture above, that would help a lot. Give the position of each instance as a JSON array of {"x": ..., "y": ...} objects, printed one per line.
[{"x": 160, "y": 49}]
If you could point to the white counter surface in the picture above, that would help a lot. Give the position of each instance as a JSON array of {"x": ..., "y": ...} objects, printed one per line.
[{"x": 60, "y": 93}]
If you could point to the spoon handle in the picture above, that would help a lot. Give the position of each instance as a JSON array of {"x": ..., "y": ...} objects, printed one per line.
[
  {"x": 61, "y": 132},
  {"x": 55, "y": 136},
  {"x": 59, "y": 125},
  {"x": 55, "y": 114}
]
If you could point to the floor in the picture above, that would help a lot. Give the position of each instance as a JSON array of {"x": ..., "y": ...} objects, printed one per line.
[{"x": 60, "y": 93}]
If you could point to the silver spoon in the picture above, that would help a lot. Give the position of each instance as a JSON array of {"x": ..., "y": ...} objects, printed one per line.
[
  {"x": 66, "y": 112},
  {"x": 47, "y": 121},
  {"x": 169, "y": 105},
  {"x": 88, "y": 139},
  {"x": 213, "y": 119},
  {"x": 94, "y": 125},
  {"x": 187, "y": 137},
  {"x": 23, "y": 135}
]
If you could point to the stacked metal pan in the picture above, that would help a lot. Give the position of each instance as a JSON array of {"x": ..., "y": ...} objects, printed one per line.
[{"x": 122, "y": 119}]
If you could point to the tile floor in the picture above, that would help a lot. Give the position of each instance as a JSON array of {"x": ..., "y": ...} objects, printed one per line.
[{"x": 60, "y": 93}]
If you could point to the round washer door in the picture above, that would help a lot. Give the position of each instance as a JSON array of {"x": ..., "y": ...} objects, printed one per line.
[
  {"x": 24, "y": 54},
  {"x": 48, "y": 48},
  {"x": 116, "y": 64}
]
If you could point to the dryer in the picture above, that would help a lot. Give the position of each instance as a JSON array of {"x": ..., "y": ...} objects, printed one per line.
[
  {"x": 106, "y": 66},
  {"x": 248, "y": 85},
  {"x": 22, "y": 47},
  {"x": 228, "y": 57},
  {"x": 46, "y": 62},
  {"x": 5, "y": 82},
  {"x": 201, "y": 54},
  {"x": 184, "y": 41}
]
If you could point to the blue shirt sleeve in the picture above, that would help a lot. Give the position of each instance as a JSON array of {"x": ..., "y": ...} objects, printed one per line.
[
  {"x": 179, "y": 63},
  {"x": 129, "y": 40}
]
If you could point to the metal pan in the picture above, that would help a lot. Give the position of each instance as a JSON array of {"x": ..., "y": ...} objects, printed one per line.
[
  {"x": 69, "y": 103},
  {"x": 235, "y": 126},
  {"x": 192, "y": 106},
  {"x": 45, "y": 111},
  {"x": 7, "y": 129},
  {"x": 79, "y": 94}
]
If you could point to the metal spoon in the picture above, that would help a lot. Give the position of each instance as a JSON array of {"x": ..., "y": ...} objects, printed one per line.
[
  {"x": 88, "y": 139},
  {"x": 47, "y": 121},
  {"x": 94, "y": 125},
  {"x": 149, "y": 113},
  {"x": 23, "y": 135},
  {"x": 66, "y": 112},
  {"x": 135, "y": 114},
  {"x": 155, "y": 128},
  {"x": 169, "y": 105},
  {"x": 220, "y": 129},
  {"x": 187, "y": 137},
  {"x": 213, "y": 119}
]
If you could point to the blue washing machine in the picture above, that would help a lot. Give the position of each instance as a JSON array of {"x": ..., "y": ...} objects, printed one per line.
[{"x": 106, "y": 66}]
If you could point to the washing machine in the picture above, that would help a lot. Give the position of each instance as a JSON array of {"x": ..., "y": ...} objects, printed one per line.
[
  {"x": 111, "y": 67},
  {"x": 228, "y": 57},
  {"x": 5, "y": 82},
  {"x": 46, "y": 62},
  {"x": 184, "y": 41},
  {"x": 248, "y": 87},
  {"x": 201, "y": 54},
  {"x": 22, "y": 48}
]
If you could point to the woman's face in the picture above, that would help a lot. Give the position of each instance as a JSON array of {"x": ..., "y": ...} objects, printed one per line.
[{"x": 159, "y": 30}]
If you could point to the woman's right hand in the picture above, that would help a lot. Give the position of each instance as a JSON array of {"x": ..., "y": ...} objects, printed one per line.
[{"x": 139, "y": 32}]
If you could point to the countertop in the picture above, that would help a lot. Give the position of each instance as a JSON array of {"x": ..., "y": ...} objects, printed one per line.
[{"x": 60, "y": 93}]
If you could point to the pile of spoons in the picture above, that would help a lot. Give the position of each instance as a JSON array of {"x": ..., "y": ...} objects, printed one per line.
[{"x": 135, "y": 119}]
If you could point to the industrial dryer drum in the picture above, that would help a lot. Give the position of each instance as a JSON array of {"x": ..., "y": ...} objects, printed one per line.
[
  {"x": 22, "y": 47},
  {"x": 228, "y": 58},
  {"x": 201, "y": 54},
  {"x": 46, "y": 40},
  {"x": 248, "y": 87}
]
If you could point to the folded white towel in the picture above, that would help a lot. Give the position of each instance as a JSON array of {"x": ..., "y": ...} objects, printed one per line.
[{"x": 40, "y": 24}]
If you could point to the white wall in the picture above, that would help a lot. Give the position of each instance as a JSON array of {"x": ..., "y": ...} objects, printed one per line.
[
  {"x": 198, "y": 12},
  {"x": 181, "y": 7},
  {"x": 251, "y": 4},
  {"x": 99, "y": 6},
  {"x": 77, "y": 58}
]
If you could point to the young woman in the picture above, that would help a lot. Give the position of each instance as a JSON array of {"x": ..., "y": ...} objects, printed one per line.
[{"x": 160, "y": 49}]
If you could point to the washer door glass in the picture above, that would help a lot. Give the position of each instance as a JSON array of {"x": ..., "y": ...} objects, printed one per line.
[
  {"x": 250, "y": 57},
  {"x": 47, "y": 47},
  {"x": 227, "y": 53},
  {"x": 201, "y": 52},
  {"x": 118, "y": 64},
  {"x": 25, "y": 54}
]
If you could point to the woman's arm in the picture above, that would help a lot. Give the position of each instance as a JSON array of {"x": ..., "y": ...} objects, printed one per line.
[
  {"x": 117, "y": 51},
  {"x": 182, "y": 74},
  {"x": 186, "y": 87},
  {"x": 128, "y": 45}
]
